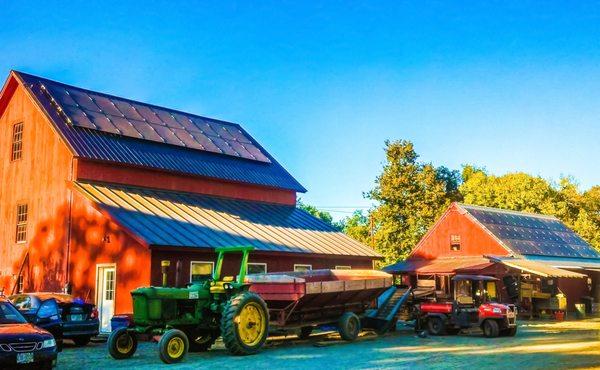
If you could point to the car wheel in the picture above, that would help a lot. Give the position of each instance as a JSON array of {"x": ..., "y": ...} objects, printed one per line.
[
  {"x": 436, "y": 326},
  {"x": 491, "y": 328}
]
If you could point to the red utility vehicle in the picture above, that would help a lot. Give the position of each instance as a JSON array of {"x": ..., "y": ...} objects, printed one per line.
[{"x": 472, "y": 305}]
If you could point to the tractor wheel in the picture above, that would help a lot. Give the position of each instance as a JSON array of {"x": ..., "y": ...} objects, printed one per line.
[
  {"x": 245, "y": 324},
  {"x": 491, "y": 328},
  {"x": 173, "y": 346},
  {"x": 349, "y": 326},
  {"x": 509, "y": 332},
  {"x": 202, "y": 341},
  {"x": 436, "y": 326},
  {"x": 305, "y": 332},
  {"x": 122, "y": 344}
]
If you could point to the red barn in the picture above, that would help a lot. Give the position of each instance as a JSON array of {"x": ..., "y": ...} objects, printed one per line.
[
  {"x": 535, "y": 256},
  {"x": 97, "y": 190}
]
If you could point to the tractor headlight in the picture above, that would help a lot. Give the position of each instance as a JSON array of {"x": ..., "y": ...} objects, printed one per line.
[
  {"x": 497, "y": 310},
  {"x": 49, "y": 343}
]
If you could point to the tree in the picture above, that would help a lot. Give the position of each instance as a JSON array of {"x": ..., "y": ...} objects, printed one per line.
[
  {"x": 411, "y": 195},
  {"x": 322, "y": 215},
  {"x": 358, "y": 227}
]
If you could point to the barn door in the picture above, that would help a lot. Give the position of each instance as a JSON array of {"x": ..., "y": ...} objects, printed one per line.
[{"x": 105, "y": 300}]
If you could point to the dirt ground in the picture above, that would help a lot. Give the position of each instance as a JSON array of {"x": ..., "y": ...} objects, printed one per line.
[{"x": 538, "y": 345}]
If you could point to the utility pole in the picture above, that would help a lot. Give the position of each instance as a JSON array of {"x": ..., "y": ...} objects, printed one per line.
[{"x": 372, "y": 224}]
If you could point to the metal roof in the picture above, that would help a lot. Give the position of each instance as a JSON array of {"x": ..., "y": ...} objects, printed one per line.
[
  {"x": 536, "y": 268},
  {"x": 570, "y": 263},
  {"x": 108, "y": 128},
  {"x": 438, "y": 265},
  {"x": 164, "y": 218},
  {"x": 531, "y": 234}
]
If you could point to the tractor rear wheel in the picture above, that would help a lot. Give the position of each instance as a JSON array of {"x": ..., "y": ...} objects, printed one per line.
[
  {"x": 491, "y": 329},
  {"x": 201, "y": 341},
  {"x": 305, "y": 332},
  {"x": 436, "y": 326},
  {"x": 245, "y": 324},
  {"x": 173, "y": 346},
  {"x": 349, "y": 326},
  {"x": 122, "y": 344}
]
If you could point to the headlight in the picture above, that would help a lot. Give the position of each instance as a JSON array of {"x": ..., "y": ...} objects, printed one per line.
[
  {"x": 497, "y": 310},
  {"x": 49, "y": 343}
]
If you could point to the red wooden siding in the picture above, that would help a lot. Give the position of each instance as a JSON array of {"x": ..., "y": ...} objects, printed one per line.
[
  {"x": 104, "y": 172},
  {"x": 37, "y": 179},
  {"x": 231, "y": 266},
  {"x": 474, "y": 241}
]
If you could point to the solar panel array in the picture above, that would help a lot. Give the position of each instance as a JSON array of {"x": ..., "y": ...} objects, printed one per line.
[
  {"x": 119, "y": 116},
  {"x": 531, "y": 234}
]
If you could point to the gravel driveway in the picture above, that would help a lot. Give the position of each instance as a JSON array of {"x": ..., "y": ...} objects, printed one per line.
[{"x": 538, "y": 345}]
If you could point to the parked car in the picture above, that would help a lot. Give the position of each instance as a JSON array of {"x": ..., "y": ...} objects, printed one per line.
[
  {"x": 22, "y": 343},
  {"x": 74, "y": 319}
]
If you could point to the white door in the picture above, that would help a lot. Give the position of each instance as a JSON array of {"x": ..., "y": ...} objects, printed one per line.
[{"x": 106, "y": 296}]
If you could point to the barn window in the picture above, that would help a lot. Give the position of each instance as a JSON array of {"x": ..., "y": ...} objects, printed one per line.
[
  {"x": 17, "y": 141},
  {"x": 343, "y": 267},
  {"x": 257, "y": 268},
  {"x": 455, "y": 242},
  {"x": 301, "y": 268},
  {"x": 21, "y": 234},
  {"x": 200, "y": 270}
]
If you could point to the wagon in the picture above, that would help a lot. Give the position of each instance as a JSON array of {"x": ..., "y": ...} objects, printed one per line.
[{"x": 302, "y": 301}]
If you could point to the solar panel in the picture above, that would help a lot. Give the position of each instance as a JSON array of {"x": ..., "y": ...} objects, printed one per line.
[
  {"x": 91, "y": 110},
  {"x": 530, "y": 234}
]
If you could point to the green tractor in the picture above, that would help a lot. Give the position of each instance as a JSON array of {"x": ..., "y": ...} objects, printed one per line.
[{"x": 192, "y": 318}]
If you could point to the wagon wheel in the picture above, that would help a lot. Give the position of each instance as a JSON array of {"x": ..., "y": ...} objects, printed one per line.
[
  {"x": 245, "y": 324},
  {"x": 349, "y": 326}
]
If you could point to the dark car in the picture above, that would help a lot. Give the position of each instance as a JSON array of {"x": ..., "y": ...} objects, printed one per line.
[
  {"x": 73, "y": 319},
  {"x": 22, "y": 343}
]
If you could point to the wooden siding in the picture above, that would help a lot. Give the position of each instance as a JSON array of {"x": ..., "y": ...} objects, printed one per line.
[
  {"x": 474, "y": 240},
  {"x": 108, "y": 172},
  {"x": 38, "y": 179},
  {"x": 276, "y": 262}
]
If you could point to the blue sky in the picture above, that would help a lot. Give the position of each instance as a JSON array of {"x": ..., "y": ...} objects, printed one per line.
[{"x": 509, "y": 86}]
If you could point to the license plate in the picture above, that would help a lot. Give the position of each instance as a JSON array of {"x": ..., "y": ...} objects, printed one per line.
[
  {"x": 510, "y": 315},
  {"x": 76, "y": 317},
  {"x": 24, "y": 358}
]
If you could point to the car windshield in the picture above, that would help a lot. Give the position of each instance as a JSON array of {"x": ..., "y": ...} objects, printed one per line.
[
  {"x": 10, "y": 315},
  {"x": 25, "y": 302}
]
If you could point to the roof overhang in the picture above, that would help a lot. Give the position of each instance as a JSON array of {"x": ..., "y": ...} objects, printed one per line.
[
  {"x": 440, "y": 266},
  {"x": 536, "y": 268}
]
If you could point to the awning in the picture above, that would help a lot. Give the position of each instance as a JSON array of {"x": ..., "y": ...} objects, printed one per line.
[
  {"x": 439, "y": 265},
  {"x": 591, "y": 264},
  {"x": 178, "y": 219},
  {"x": 536, "y": 268}
]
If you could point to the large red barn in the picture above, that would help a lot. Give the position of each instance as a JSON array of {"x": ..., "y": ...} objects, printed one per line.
[{"x": 97, "y": 190}]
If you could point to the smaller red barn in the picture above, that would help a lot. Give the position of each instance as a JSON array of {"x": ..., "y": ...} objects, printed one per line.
[{"x": 538, "y": 259}]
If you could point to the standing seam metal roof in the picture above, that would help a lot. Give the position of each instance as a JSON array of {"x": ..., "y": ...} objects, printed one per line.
[
  {"x": 247, "y": 164},
  {"x": 164, "y": 218}
]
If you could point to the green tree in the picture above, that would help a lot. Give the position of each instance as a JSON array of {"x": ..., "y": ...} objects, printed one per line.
[
  {"x": 358, "y": 227},
  {"x": 411, "y": 195},
  {"x": 322, "y": 215}
]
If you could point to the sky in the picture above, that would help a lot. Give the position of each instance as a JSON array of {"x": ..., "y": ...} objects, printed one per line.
[{"x": 509, "y": 86}]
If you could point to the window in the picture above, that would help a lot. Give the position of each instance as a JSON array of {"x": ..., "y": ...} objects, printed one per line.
[
  {"x": 455, "y": 242},
  {"x": 17, "y": 141},
  {"x": 343, "y": 267},
  {"x": 21, "y": 235},
  {"x": 200, "y": 270},
  {"x": 300, "y": 268},
  {"x": 257, "y": 268},
  {"x": 109, "y": 291}
]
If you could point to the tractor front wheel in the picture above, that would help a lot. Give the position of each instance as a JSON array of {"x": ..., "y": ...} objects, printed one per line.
[
  {"x": 245, "y": 324},
  {"x": 491, "y": 329},
  {"x": 202, "y": 341},
  {"x": 122, "y": 344},
  {"x": 173, "y": 346}
]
